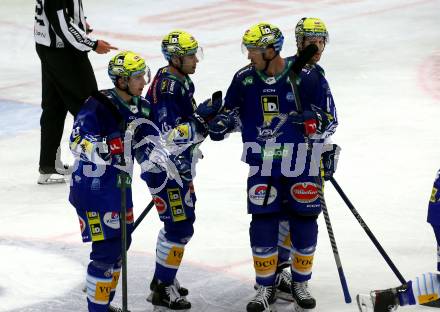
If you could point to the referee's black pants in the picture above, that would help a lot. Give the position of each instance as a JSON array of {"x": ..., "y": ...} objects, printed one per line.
[{"x": 67, "y": 81}]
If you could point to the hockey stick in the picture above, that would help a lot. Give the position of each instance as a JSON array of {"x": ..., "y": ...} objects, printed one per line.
[
  {"x": 296, "y": 68},
  {"x": 124, "y": 181},
  {"x": 368, "y": 231},
  {"x": 309, "y": 51},
  {"x": 332, "y": 238},
  {"x": 143, "y": 215}
]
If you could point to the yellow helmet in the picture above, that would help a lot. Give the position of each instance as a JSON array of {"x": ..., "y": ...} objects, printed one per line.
[
  {"x": 127, "y": 64},
  {"x": 310, "y": 27},
  {"x": 262, "y": 36},
  {"x": 179, "y": 43}
]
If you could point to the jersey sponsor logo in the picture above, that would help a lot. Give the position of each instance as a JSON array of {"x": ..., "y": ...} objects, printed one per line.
[
  {"x": 111, "y": 219},
  {"x": 175, "y": 256},
  {"x": 129, "y": 217},
  {"x": 274, "y": 153},
  {"x": 82, "y": 224},
  {"x": 176, "y": 205},
  {"x": 161, "y": 205},
  {"x": 302, "y": 263},
  {"x": 180, "y": 134},
  {"x": 249, "y": 80},
  {"x": 433, "y": 198},
  {"x": 115, "y": 279},
  {"x": 305, "y": 192},
  {"x": 270, "y": 80},
  {"x": 95, "y": 226},
  {"x": 265, "y": 266},
  {"x": 257, "y": 193},
  {"x": 422, "y": 299},
  {"x": 102, "y": 291},
  {"x": 270, "y": 107},
  {"x": 269, "y": 90},
  {"x": 290, "y": 97},
  {"x": 188, "y": 199}
]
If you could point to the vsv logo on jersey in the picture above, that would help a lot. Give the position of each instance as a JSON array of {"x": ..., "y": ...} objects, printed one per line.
[
  {"x": 257, "y": 193},
  {"x": 305, "y": 192}
]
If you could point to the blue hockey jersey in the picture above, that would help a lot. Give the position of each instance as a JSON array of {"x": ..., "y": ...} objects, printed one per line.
[
  {"x": 263, "y": 104},
  {"x": 94, "y": 180},
  {"x": 172, "y": 110}
]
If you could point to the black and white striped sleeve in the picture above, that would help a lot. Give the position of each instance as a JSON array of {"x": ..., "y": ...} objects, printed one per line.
[{"x": 67, "y": 19}]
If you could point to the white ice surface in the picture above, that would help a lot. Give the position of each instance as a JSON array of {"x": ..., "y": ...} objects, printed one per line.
[{"x": 382, "y": 63}]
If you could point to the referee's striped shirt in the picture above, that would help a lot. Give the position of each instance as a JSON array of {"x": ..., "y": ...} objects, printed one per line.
[{"x": 61, "y": 24}]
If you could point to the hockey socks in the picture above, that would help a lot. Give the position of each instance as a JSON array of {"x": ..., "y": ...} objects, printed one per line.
[
  {"x": 302, "y": 263},
  {"x": 265, "y": 264},
  {"x": 99, "y": 286}
]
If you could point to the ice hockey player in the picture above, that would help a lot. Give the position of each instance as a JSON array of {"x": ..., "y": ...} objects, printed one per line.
[
  {"x": 307, "y": 31},
  {"x": 424, "y": 289},
  {"x": 183, "y": 124},
  {"x": 97, "y": 142},
  {"x": 261, "y": 104}
]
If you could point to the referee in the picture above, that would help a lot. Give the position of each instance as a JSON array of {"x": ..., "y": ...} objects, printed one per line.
[{"x": 62, "y": 43}]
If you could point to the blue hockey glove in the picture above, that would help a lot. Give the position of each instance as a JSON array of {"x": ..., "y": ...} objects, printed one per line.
[
  {"x": 183, "y": 166},
  {"x": 210, "y": 107},
  {"x": 330, "y": 158},
  {"x": 221, "y": 125}
]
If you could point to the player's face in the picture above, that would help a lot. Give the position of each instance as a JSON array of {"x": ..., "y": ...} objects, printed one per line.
[
  {"x": 137, "y": 83},
  {"x": 320, "y": 43},
  {"x": 189, "y": 63},
  {"x": 256, "y": 56}
]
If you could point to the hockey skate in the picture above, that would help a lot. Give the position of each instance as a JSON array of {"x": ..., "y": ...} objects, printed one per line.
[
  {"x": 283, "y": 285},
  {"x": 167, "y": 298},
  {"x": 263, "y": 300},
  {"x": 182, "y": 290},
  {"x": 52, "y": 175},
  {"x": 378, "y": 301},
  {"x": 302, "y": 299}
]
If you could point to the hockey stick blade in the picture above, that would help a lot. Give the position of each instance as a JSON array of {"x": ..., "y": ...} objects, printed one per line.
[{"x": 303, "y": 58}]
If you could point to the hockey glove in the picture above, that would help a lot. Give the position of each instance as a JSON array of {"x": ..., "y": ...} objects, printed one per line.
[
  {"x": 314, "y": 122},
  {"x": 116, "y": 147},
  {"x": 183, "y": 166},
  {"x": 221, "y": 125},
  {"x": 210, "y": 107},
  {"x": 330, "y": 158}
]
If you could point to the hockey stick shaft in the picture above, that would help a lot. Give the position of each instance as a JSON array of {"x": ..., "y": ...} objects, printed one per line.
[
  {"x": 332, "y": 238},
  {"x": 367, "y": 230},
  {"x": 124, "y": 178},
  {"x": 143, "y": 215}
]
